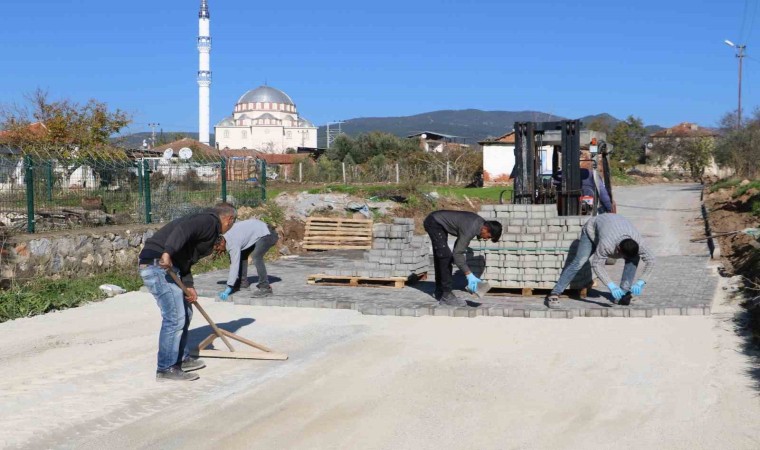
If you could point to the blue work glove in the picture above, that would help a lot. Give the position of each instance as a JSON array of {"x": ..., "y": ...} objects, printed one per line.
[
  {"x": 225, "y": 295},
  {"x": 617, "y": 293},
  {"x": 472, "y": 282},
  {"x": 638, "y": 287}
]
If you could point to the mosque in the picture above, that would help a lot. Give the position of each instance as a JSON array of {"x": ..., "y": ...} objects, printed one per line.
[{"x": 264, "y": 119}]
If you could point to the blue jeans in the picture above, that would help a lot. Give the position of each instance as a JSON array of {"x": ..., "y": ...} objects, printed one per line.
[
  {"x": 582, "y": 256},
  {"x": 176, "y": 315}
]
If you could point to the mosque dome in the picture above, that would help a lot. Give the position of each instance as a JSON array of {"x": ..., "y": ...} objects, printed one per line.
[{"x": 266, "y": 94}]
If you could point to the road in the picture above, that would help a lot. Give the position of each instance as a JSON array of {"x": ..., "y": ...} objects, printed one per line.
[{"x": 83, "y": 378}]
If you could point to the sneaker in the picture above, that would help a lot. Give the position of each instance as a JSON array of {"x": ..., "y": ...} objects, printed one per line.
[
  {"x": 552, "y": 302},
  {"x": 261, "y": 292},
  {"x": 174, "y": 373},
  {"x": 451, "y": 299},
  {"x": 437, "y": 295},
  {"x": 626, "y": 300},
  {"x": 245, "y": 284},
  {"x": 190, "y": 364}
]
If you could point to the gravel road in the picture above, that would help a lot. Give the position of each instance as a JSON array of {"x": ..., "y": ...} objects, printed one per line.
[{"x": 84, "y": 378}]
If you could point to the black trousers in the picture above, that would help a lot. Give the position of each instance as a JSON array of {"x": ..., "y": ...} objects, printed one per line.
[
  {"x": 259, "y": 249},
  {"x": 442, "y": 256}
]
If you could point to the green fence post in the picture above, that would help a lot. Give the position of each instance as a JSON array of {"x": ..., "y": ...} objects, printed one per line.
[
  {"x": 263, "y": 182},
  {"x": 49, "y": 180},
  {"x": 146, "y": 185},
  {"x": 29, "y": 181},
  {"x": 223, "y": 174}
]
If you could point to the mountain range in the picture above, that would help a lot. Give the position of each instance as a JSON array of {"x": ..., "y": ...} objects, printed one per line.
[{"x": 472, "y": 125}]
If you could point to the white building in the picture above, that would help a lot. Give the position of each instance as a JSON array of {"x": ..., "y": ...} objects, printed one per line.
[{"x": 265, "y": 119}]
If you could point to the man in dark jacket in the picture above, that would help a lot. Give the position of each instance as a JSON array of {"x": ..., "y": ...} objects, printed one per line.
[
  {"x": 465, "y": 226},
  {"x": 177, "y": 246}
]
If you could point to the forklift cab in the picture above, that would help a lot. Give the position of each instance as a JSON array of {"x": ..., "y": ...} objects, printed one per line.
[{"x": 550, "y": 167}]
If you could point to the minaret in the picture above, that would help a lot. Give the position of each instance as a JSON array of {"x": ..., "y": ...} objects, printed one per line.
[{"x": 204, "y": 72}]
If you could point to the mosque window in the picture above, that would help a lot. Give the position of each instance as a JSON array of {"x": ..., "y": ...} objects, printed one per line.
[
  {"x": 227, "y": 133},
  {"x": 244, "y": 134},
  {"x": 289, "y": 134}
]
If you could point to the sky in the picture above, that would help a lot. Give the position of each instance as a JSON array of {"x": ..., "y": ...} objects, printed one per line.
[{"x": 663, "y": 61}]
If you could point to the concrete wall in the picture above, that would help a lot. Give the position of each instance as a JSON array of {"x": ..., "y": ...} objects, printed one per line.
[
  {"x": 73, "y": 252},
  {"x": 499, "y": 159}
]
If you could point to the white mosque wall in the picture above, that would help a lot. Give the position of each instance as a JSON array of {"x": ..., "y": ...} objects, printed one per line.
[{"x": 269, "y": 139}]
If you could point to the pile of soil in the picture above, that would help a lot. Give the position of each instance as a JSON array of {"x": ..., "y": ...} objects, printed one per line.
[{"x": 740, "y": 253}]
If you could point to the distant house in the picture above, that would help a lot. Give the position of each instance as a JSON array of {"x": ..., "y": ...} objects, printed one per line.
[
  {"x": 244, "y": 164},
  {"x": 431, "y": 141},
  {"x": 674, "y": 135}
]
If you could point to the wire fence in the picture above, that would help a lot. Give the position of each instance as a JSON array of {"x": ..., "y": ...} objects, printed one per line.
[
  {"x": 324, "y": 170},
  {"x": 41, "y": 194}
]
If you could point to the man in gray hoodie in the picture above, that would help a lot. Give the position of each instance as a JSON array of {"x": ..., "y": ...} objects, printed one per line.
[
  {"x": 246, "y": 238},
  {"x": 608, "y": 236}
]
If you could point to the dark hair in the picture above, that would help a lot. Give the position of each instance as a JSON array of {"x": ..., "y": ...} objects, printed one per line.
[
  {"x": 495, "y": 228},
  {"x": 225, "y": 209},
  {"x": 629, "y": 248}
]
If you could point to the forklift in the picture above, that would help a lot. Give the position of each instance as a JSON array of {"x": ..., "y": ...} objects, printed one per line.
[{"x": 562, "y": 186}]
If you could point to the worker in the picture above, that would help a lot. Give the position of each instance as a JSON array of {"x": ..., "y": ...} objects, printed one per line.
[
  {"x": 246, "y": 238},
  {"x": 607, "y": 236},
  {"x": 177, "y": 246},
  {"x": 465, "y": 226},
  {"x": 591, "y": 183}
]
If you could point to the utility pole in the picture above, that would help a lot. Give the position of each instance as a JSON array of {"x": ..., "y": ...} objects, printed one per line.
[
  {"x": 333, "y": 131},
  {"x": 740, "y": 55},
  {"x": 153, "y": 127}
]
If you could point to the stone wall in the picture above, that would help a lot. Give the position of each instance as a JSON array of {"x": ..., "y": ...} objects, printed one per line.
[{"x": 73, "y": 252}]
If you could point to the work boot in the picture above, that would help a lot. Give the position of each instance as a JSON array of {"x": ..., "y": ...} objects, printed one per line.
[
  {"x": 245, "y": 284},
  {"x": 261, "y": 291},
  {"x": 626, "y": 300},
  {"x": 437, "y": 295},
  {"x": 190, "y": 364},
  {"x": 174, "y": 373},
  {"x": 451, "y": 300}
]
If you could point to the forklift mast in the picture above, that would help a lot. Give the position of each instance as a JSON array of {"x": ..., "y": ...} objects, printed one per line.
[{"x": 528, "y": 185}]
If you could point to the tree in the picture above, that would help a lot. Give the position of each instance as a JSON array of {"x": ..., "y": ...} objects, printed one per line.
[
  {"x": 66, "y": 125},
  {"x": 601, "y": 124},
  {"x": 739, "y": 148},
  {"x": 628, "y": 138},
  {"x": 692, "y": 153}
]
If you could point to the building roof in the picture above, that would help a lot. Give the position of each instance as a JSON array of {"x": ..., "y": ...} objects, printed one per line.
[
  {"x": 267, "y": 116},
  {"x": 685, "y": 129},
  {"x": 36, "y": 130},
  {"x": 200, "y": 150},
  {"x": 508, "y": 138},
  {"x": 226, "y": 122},
  {"x": 433, "y": 135},
  {"x": 303, "y": 123},
  {"x": 266, "y": 94}
]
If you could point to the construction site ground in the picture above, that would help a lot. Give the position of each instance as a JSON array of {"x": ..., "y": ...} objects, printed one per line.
[{"x": 84, "y": 378}]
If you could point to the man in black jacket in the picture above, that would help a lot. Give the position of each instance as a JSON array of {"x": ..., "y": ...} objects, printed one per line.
[
  {"x": 465, "y": 226},
  {"x": 177, "y": 246}
]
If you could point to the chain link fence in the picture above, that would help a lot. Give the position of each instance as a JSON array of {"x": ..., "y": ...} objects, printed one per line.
[{"x": 42, "y": 194}]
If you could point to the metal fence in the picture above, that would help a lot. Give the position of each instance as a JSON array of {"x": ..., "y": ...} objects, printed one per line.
[{"x": 39, "y": 194}]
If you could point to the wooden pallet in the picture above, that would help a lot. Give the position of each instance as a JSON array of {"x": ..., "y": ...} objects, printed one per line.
[
  {"x": 333, "y": 233},
  {"x": 533, "y": 292},
  {"x": 389, "y": 282}
]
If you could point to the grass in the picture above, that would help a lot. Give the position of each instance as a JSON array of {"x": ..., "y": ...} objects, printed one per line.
[
  {"x": 725, "y": 184},
  {"x": 741, "y": 190},
  {"x": 44, "y": 295}
]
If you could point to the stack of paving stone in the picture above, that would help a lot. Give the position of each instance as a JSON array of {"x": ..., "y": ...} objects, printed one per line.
[
  {"x": 534, "y": 246},
  {"x": 396, "y": 252}
]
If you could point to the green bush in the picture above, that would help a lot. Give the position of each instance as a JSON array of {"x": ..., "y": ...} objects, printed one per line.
[{"x": 756, "y": 208}]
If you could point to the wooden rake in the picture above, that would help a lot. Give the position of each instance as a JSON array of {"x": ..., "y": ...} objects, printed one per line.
[{"x": 265, "y": 352}]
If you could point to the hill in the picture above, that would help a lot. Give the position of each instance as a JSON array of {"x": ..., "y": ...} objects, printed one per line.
[{"x": 471, "y": 124}]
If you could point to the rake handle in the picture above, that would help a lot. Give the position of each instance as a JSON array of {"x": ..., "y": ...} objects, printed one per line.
[{"x": 216, "y": 329}]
